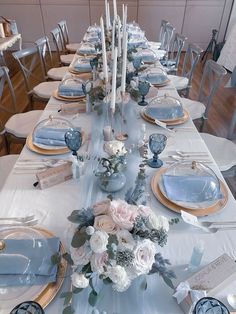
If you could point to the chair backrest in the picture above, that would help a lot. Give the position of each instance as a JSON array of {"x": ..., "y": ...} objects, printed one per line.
[
  {"x": 167, "y": 37},
  {"x": 58, "y": 42},
  {"x": 4, "y": 78},
  {"x": 232, "y": 129},
  {"x": 28, "y": 60},
  {"x": 45, "y": 54},
  {"x": 191, "y": 59},
  {"x": 64, "y": 31},
  {"x": 162, "y": 30},
  {"x": 176, "y": 48},
  {"x": 211, "y": 78}
]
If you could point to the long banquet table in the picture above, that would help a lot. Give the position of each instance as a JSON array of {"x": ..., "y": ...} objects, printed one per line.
[{"x": 52, "y": 206}]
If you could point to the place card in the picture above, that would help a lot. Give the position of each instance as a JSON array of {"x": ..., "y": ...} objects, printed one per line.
[
  {"x": 212, "y": 278},
  {"x": 54, "y": 175}
]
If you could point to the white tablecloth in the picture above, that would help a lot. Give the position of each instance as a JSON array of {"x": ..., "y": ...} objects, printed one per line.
[{"x": 53, "y": 205}]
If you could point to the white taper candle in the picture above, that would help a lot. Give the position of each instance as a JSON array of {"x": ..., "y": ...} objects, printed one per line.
[
  {"x": 124, "y": 63},
  {"x": 113, "y": 90},
  {"x": 104, "y": 55}
]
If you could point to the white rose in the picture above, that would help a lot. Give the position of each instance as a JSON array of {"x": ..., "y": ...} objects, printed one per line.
[
  {"x": 79, "y": 280},
  {"x": 99, "y": 241},
  {"x": 81, "y": 255},
  {"x": 144, "y": 254},
  {"x": 123, "y": 214},
  {"x": 125, "y": 239},
  {"x": 133, "y": 84},
  {"x": 115, "y": 148},
  {"x": 98, "y": 262},
  {"x": 158, "y": 222},
  {"x": 105, "y": 223},
  {"x": 119, "y": 277}
]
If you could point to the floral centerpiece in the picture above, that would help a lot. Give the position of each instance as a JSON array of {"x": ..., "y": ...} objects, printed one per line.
[{"x": 116, "y": 242}]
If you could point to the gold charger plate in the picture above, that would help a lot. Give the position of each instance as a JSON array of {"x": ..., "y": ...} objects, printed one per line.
[
  {"x": 176, "y": 208},
  {"x": 168, "y": 122},
  {"x": 42, "y": 151},
  {"x": 73, "y": 71},
  {"x": 50, "y": 291},
  {"x": 64, "y": 98}
]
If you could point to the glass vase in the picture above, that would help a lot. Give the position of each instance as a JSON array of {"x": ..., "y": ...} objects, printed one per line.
[{"x": 112, "y": 183}]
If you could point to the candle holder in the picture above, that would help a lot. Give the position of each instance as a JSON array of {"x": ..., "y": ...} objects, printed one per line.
[
  {"x": 122, "y": 136},
  {"x": 94, "y": 66},
  {"x": 87, "y": 87}
]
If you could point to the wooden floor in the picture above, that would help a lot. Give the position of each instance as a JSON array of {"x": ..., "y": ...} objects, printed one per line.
[{"x": 223, "y": 105}]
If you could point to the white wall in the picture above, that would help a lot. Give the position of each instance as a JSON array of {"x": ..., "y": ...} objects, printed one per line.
[
  {"x": 232, "y": 19},
  {"x": 194, "y": 18}
]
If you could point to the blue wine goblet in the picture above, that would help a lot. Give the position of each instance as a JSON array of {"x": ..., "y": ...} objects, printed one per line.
[
  {"x": 157, "y": 143},
  {"x": 73, "y": 139},
  {"x": 28, "y": 307},
  {"x": 143, "y": 87},
  {"x": 210, "y": 305},
  {"x": 137, "y": 64}
]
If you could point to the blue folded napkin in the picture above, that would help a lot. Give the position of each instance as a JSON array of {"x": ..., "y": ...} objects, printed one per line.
[
  {"x": 165, "y": 113},
  {"x": 194, "y": 189},
  {"x": 168, "y": 63},
  {"x": 70, "y": 90},
  {"x": 21, "y": 264},
  {"x": 50, "y": 136},
  {"x": 154, "y": 78},
  {"x": 82, "y": 66},
  {"x": 147, "y": 56},
  {"x": 87, "y": 50}
]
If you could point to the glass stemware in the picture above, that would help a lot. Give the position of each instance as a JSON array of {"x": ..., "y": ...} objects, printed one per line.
[
  {"x": 94, "y": 66},
  {"x": 157, "y": 143},
  {"x": 143, "y": 87},
  {"x": 73, "y": 139},
  {"x": 210, "y": 305},
  {"x": 87, "y": 87},
  {"x": 137, "y": 64}
]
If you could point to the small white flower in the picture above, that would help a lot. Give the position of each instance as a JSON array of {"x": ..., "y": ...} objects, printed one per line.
[
  {"x": 158, "y": 222},
  {"x": 115, "y": 148},
  {"x": 119, "y": 277},
  {"x": 133, "y": 84},
  {"x": 99, "y": 241},
  {"x": 125, "y": 239},
  {"x": 79, "y": 281},
  {"x": 90, "y": 230}
]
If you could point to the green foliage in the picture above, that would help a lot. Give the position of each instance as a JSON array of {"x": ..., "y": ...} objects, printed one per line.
[
  {"x": 79, "y": 238},
  {"x": 68, "y": 310},
  {"x": 93, "y": 298},
  {"x": 68, "y": 258},
  {"x": 56, "y": 258}
]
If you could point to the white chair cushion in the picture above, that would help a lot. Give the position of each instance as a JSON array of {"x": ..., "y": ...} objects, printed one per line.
[
  {"x": 195, "y": 108},
  {"x": 67, "y": 59},
  {"x": 179, "y": 82},
  {"x": 57, "y": 74},
  {"x": 22, "y": 124},
  {"x": 6, "y": 165},
  {"x": 73, "y": 47},
  {"x": 45, "y": 89},
  {"x": 222, "y": 150}
]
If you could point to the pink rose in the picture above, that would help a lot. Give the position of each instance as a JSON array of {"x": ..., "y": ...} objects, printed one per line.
[
  {"x": 105, "y": 223},
  {"x": 81, "y": 255},
  {"x": 123, "y": 214},
  {"x": 101, "y": 208},
  {"x": 98, "y": 262}
]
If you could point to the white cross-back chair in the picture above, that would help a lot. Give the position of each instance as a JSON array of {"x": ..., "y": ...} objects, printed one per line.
[
  {"x": 7, "y": 162},
  {"x": 167, "y": 37},
  {"x": 64, "y": 59},
  {"x": 159, "y": 44},
  {"x": 171, "y": 65},
  {"x": 70, "y": 47},
  {"x": 44, "y": 49},
  {"x": 222, "y": 149},
  {"x": 19, "y": 125},
  {"x": 28, "y": 59},
  {"x": 211, "y": 79},
  {"x": 183, "y": 82}
]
